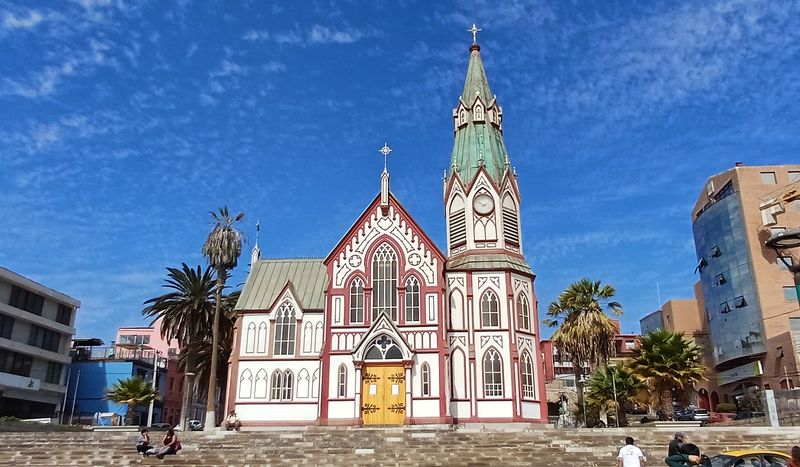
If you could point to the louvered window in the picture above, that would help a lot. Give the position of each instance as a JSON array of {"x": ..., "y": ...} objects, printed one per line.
[{"x": 510, "y": 221}]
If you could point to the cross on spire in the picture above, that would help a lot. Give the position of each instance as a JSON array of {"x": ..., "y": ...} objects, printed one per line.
[
  {"x": 385, "y": 150},
  {"x": 474, "y": 30}
]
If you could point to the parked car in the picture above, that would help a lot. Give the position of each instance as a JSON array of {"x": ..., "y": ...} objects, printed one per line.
[
  {"x": 160, "y": 426},
  {"x": 745, "y": 414},
  {"x": 698, "y": 415},
  {"x": 750, "y": 457},
  {"x": 195, "y": 425}
]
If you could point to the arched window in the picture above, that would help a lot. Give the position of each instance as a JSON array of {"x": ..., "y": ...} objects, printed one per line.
[
  {"x": 457, "y": 220},
  {"x": 246, "y": 385},
  {"x": 490, "y": 312},
  {"x": 492, "y": 374},
  {"x": 510, "y": 221},
  {"x": 250, "y": 338},
  {"x": 462, "y": 117},
  {"x": 342, "y": 381},
  {"x": 357, "y": 301},
  {"x": 478, "y": 113},
  {"x": 412, "y": 299},
  {"x": 425, "y": 374},
  {"x": 308, "y": 337},
  {"x": 276, "y": 385},
  {"x": 528, "y": 388},
  {"x": 262, "y": 338},
  {"x": 383, "y": 348},
  {"x": 288, "y": 384},
  {"x": 523, "y": 315},
  {"x": 384, "y": 283},
  {"x": 261, "y": 385},
  {"x": 285, "y": 330}
]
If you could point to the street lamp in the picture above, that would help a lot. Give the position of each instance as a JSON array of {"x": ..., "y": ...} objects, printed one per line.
[{"x": 785, "y": 240}]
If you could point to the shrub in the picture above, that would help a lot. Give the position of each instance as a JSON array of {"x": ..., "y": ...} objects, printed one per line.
[{"x": 726, "y": 407}]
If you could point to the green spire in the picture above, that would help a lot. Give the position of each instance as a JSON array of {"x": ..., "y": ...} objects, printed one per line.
[{"x": 478, "y": 141}]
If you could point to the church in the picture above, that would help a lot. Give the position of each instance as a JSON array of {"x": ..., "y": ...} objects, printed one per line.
[{"x": 390, "y": 330}]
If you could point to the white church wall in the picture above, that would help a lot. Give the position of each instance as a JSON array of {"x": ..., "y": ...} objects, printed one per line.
[
  {"x": 531, "y": 410},
  {"x": 255, "y": 378},
  {"x": 460, "y": 409},
  {"x": 495, "y": 409},
  {"x": 432, "y": 359},
  {"x": 276, "y": 412},
  {"x": 342, "y": 409},
  {"x": 254, "y": 336},
  {"x": 425, "y": 408},
  {"x": 333, "y": 380}
]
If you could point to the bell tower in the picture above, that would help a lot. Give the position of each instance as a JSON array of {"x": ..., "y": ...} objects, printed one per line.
[{"x": 491, "y": 307}]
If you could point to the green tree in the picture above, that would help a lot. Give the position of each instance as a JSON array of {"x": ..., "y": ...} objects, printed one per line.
[
  {"x": 186, "y": 313},
  {"x": 222, "y": 248},
  {"x": 666, "y": 361},
  {"x": 132, "y": 392},
  {"x": 585, "y": 332},
  {"x": 608, "y": 383}
]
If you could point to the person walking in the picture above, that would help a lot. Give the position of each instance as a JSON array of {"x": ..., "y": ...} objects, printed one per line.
[
  {"x": 630, "y": 455},
  {"x": 676, "y": 444}
]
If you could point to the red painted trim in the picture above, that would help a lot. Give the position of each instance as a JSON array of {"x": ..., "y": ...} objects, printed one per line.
[
  {"x": 233, "y": 367},
  {"x": 496, "y": 420},
  {"x": 269, "y": 402},
  {"x": 425, "y": 398}
]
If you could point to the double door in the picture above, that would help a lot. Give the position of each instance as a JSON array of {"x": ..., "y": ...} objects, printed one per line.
[{"x": 383, "y": 394}]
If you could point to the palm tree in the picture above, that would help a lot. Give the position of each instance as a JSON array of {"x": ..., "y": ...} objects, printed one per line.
[
  {"x": 222, "y": 249},
  {"x": 186, "y": 314},
  {"x": 132, "y": 392},
  {"x": 613, "y": 389},
  {"x": 667, "y": 361},
  {"x": 585, "y": 332}
]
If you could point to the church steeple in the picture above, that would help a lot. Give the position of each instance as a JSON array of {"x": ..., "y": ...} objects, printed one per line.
[{"x": 478, "y": 125}]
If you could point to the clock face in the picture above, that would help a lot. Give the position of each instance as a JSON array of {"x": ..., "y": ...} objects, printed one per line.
[{"x": 483, "y": 204}]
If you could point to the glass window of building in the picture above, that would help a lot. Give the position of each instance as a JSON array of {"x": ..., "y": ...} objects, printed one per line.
[
  {"x": 789, "y": 293},
  {"x": 64, "y": 315},
  {"x": 6, "y": 326},
  {"x": 768, "y": 178},
  {"x": 26, "y": 300},
  {"x": 794, "y": 176}
]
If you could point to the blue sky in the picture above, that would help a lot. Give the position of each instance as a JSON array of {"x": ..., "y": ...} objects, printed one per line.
[{"x": 123, "y": 123}]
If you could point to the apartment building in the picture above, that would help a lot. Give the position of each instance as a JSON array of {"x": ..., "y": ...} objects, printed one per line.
[
  {"x": 36, "y": 327},
  {"x": 746, "y": 294}
]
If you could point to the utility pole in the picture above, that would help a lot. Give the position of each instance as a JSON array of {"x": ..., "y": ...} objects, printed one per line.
[
  {"x": 614, "y": 385},
  {"x": 155, "y": 378}
]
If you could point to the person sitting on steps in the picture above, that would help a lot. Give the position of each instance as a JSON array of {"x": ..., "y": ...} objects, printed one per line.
[
  {"x": 232, "y": 421},
  {"x": 171, "y": 444},
  {"x": 143, "y": 442}
]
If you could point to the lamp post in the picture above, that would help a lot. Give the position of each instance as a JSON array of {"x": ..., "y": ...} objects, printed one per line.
[
  {"x": 788, "y": 239},
  {"x": 614, "y": 386}
]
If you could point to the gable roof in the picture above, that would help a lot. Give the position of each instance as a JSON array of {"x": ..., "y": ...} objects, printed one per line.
[{"x": 268, "y": 278}]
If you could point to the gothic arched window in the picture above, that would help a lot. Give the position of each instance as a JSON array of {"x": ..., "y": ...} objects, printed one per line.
[
  {"x": 357, "y": 301},
  {"x": 479, "y": 113},
  {"x": 462, "y": 117},
  {"x": 383, "y": 348},
  {"x": 250, "y": 338},
  {"x": 260, "y": 391},
  {"x": 288, "y": 382},
  {"x": 523, "y": 315},
  {"x": 528, "y": 388},
  {"x": 246, "y": 385},
  {"x": 262, "y": 338},
  {"x": 285, "y": 324},
  {"x": 384, "y": 283},
  {"x": 412, "y": 299},
  {"x": 490, "y": 311},
  {"x": 492, "y": 374},
  {"x": 342, "y": 381},
  {"x": 425, "y": 374},
  {"x": 276, "y": 384}
]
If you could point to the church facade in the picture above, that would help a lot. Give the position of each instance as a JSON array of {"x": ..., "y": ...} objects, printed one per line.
[{"x": 390, "y": 330}]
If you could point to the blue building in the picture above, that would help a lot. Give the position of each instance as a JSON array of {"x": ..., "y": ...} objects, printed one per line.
[{"x": 95, "y": 370}]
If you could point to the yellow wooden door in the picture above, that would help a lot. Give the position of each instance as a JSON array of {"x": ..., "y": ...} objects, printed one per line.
[{"x": 383, "y": 395}]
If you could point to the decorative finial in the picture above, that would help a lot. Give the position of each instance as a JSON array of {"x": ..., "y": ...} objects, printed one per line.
[
  {"x": 385, "y": 150},
  {"x": 474, "y": 30}
]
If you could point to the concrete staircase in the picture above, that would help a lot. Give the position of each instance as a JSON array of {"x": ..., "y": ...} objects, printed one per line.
[{"x": 471, "y": 445}]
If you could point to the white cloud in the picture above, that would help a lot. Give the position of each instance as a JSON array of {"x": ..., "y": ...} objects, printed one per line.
[
  {"x": 192, "y": 49},
  {"x": 227, "y": 68},
  {"x": 207, "y": 99},
  {"x": 34, "y": 17},
  {"x": 273, "y": 67},
  {"x": 256, "y": 35},
  {"x": 321, "y": 34}
]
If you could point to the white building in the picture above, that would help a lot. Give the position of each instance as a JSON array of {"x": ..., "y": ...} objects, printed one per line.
[
  {"x": 36, "y": 327},
  {"x": 387, "y": 329}
]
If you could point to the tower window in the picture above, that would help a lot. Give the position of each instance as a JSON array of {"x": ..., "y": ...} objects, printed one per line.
[
  {"x": 384, "y": 283},
  {"x": 510, "y": 221},
  {"x": 490, "y": 312},
  {"x": 458, "y": 222},
  {"x": 528, "y": 387},
  {"x": 523, "y": 315},
  {"x": 492, "y": 374}
]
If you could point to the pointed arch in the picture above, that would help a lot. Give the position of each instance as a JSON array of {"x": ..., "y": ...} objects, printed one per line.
[
  {"x": 357, "y": 301},
  {"x": 523, "y": 312},
  {"x": 341, "y": 381},
  {"x": 315, "y": 383},
  {"x": 462, "y": 116},
  {"x": 250, "y": 339},
  {"x": 490, "y": 310},
  {"x": 261, "y": 346},
  {"x": 492, "y": 373},
  {"x": 458, "y": 374},
  {"x": 302, "y": 384},
  {"x": 528, "y": 382},
  {"x": 412, "y": 301},
  {"x": 318, "y": 337},
  {"x": 457, "y": 221},
  {"x": 384, "y": 282},
  {"x": 260, "y": 390},
  {"x": 425, "y": 379},
  {"x": 308, "y": 337},
  {"x": 246, "y": 385},
  {"x": 510, "y": 220},
  {"x": 285, "y": 324},
  {"x": 288, "y": 385},
  {"x": 478, "y": 113},
  {"x": 457, "y": 320},
  {"x": 276, "y": 384}
]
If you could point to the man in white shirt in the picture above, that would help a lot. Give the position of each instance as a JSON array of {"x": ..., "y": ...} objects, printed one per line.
[{"x": 630, "y": 455}]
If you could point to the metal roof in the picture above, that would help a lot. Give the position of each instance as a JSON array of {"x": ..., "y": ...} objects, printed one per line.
[
  {"x": 489, "y": 262},
  {"x": 268, "y": 278}
]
